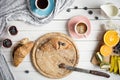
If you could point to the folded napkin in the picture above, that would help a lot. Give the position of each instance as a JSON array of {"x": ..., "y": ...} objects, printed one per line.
[{"x": 20, "y": 10}]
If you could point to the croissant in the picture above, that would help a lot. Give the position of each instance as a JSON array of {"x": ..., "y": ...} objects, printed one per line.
[{"x": 21, "y": 52}]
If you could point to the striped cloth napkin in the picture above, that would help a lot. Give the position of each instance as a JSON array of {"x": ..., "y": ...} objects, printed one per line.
[{"x": 4, "y": 69}]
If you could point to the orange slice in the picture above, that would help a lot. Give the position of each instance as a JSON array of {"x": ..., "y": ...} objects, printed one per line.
[
  {"x": 105, "y": 50},
  {"x": 111, "y": 38}
]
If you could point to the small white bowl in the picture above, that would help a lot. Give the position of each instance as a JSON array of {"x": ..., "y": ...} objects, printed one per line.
[{"x": 109, "y": 10}]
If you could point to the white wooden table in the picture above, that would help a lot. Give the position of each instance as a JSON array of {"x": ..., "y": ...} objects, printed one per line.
[{"x": 59, "y": 24}]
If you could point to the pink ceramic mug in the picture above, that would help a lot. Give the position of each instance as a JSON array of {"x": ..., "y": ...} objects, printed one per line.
[{"x": 81, "y": 28}]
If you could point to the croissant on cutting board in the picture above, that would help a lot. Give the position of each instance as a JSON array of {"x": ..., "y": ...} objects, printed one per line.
[{"x": 21, "y": 50}]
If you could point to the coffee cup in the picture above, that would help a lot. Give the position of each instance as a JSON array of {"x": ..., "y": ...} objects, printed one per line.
[
  {"x": 109, "y": 10},
  {"x": 81, "y": 29},
  {"x": 41, "y": 4}
]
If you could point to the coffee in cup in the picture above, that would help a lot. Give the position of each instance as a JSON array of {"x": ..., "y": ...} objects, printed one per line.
[
  {"x": 80, "y": 28},
  {"x": 42, "y": 4}
]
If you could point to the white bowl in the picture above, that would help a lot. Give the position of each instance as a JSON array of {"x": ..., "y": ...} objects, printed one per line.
[{"x": 109, "y": 10}]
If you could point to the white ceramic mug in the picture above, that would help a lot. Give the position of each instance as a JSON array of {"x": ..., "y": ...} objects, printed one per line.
[
  {"x": 81, "y": 28},
  {"x": 41, "y": 4},
  {"x": 109, "y": 10}
]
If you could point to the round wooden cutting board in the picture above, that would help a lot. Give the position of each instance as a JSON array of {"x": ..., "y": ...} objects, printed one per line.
[{"x": 52, "y": 49}]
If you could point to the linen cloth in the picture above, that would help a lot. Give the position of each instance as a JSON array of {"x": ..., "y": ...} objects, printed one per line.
[{"x": 5, "y": 73}]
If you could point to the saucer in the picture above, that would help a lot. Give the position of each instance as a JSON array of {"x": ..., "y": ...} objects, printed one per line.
[
  {"x": 73, "y": 21},
  {"x": 44, "y": 12}
]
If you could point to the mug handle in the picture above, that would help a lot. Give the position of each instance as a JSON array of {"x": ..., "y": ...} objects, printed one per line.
[{"x": 84, "y": 35}]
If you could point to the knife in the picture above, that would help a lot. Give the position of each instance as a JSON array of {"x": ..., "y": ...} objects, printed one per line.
[{"x": 94, "y": 72}]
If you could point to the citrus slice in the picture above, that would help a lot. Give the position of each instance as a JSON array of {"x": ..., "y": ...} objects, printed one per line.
[
  {"x": 111, "y": 38},
  {"x": 105, "y": 50}
]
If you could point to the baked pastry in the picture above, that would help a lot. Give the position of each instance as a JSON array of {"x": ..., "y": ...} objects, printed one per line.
[
  {"x": 51, "y": 50},
  {"x": 21, "y": 50}
]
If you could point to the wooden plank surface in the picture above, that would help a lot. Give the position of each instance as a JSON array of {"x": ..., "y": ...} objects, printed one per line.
[{"x": 86, "y": 46}]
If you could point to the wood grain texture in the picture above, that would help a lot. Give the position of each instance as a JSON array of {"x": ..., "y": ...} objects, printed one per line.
[{"x": 86, "y": 46}]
